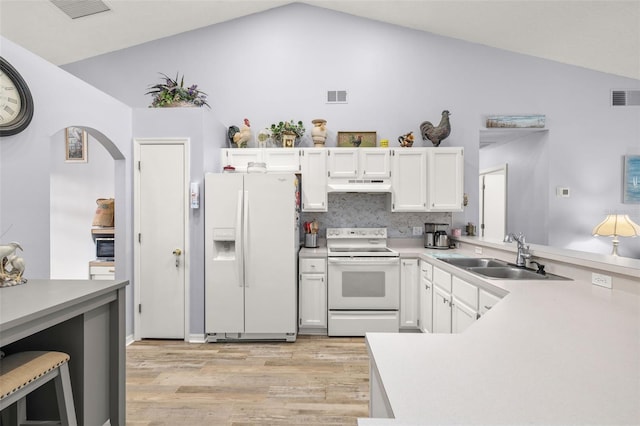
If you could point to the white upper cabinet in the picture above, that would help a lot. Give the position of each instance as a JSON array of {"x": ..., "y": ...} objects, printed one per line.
[
  {"x": 375, "y": 163},
  {"x": 240, "y": 157},
  {"x": 313, "y": 165},
  {"x": 409, "y": 180},
  {"x": 359, "y": 163},
  {"x": 343, "y": 163},
  {"x": 282, "y": 159},
  {"x": 276, "y": 159},
  {"x": 445, "y": 179}
]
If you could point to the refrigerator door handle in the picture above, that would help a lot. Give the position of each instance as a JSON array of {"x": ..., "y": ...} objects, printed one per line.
[
  {"x": 239, "y": 247},
  {"x": 245, "y": 237}
]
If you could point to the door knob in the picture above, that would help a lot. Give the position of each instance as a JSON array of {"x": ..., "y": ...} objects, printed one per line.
[{"x": 177, "y": 252}]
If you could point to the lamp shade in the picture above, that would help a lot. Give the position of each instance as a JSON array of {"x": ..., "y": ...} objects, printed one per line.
[{"x": 617, "y": 225}]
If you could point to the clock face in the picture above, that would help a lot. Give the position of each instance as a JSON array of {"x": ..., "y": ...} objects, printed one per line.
[
  {"x": 10, "y": 102},
  {"x": 16, "y": 103}
]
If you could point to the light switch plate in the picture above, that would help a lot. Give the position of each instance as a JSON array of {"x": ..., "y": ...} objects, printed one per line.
[
  {"x": 601, "y": 280},
  {"x": 417, "y": 230}
]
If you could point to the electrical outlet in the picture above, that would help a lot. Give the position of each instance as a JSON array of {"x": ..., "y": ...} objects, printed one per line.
[
  {"x": 601, "y": 280},
  {"x": 417, "y": 230},
  {"x": 478, "y": 250}
]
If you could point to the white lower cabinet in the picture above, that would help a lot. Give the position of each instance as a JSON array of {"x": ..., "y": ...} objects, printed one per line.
[
  {"x": 312, "y": 296},
  {"x": 455, "y": 303},
  {"x": 409, "y": 295},
  {"x": 486, "y": 301},
  {"x": 426, "y": 297},
  {"x": 462, "y": 316}
]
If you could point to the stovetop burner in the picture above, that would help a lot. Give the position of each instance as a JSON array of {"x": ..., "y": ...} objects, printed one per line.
[{"x": 358, "y": 242}]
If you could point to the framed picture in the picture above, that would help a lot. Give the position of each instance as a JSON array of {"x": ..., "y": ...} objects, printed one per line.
[
  {"x": 357, "y": 139},
  {"x": 631, "y": 184},
  {"x": 75, "y": 145}
]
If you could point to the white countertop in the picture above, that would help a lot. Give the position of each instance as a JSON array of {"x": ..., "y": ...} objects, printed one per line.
[{"x": 550, "y": 352}]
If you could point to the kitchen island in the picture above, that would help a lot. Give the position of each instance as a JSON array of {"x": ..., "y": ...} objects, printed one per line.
[
  {"x": 84, "y": 318},
  {"x": 550, "y": 352}
]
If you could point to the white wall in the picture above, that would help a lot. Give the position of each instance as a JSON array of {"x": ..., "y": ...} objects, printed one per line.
[
  {"x": 61, "y": 100},
  {"x": 277, "y": 65}
]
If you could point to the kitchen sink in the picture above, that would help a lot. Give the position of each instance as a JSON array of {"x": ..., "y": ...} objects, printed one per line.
[
  {"x": 499, "y": 269},
  {"x": 473, "y": 262}
]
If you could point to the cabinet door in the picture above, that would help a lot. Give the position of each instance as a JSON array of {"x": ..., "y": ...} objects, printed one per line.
[
  {"x": 409, "y": 297},
  {"x": 240, "y": 157},
  {"x": 409, "y": 180},
  {"x": 282, "y": 160},
  {"x": 313, "y": 162},
  {"x": 426, "y": 297},
  {"x": 446, "y": 178},
  {"x": 462, "y": 316},
  {"x": 486, "y": 301},
  {"x": 343, "y": 163},
  {"x": 374, "y": 163},
  {"x": 313, "y": 301},
  {"x": 441, "y": 311}
]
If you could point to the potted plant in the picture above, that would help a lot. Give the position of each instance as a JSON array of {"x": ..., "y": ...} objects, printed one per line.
[
  {"x": 286, "y": 133},
  {"x": 170, "y": 93}
]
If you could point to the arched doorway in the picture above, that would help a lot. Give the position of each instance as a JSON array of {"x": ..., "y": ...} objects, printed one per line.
[{"x": 76, "y": 181}]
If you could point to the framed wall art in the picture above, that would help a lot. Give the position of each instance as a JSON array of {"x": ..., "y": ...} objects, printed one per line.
[
  {"x": 631, "y": 184},
  {"x": 75, "y": 145},
  {"x": 356, "y": 139}
]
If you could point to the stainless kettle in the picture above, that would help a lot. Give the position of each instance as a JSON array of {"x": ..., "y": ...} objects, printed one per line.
[{"x": 441, "y": 239}]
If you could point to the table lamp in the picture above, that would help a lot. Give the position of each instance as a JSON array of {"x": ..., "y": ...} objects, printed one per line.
[{"x": 616, "y": 225}]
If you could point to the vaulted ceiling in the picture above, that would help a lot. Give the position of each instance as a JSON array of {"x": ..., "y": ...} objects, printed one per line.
[{"x": 600, "y": 35}]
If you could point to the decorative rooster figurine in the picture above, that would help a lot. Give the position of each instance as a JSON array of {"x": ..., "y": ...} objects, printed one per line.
[
  {"x": 240, "y": 137},
  {"x": 439, "y": 133}
]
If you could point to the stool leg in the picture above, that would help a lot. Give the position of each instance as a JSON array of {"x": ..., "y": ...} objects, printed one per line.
[
  {"x": 65, "y": 397},
  {"x": 21, "y": 410}
]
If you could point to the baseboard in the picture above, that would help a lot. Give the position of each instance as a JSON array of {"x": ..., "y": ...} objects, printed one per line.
[
  {"x": 197, "y": 338},
  {"x": 129, "y": 340}
]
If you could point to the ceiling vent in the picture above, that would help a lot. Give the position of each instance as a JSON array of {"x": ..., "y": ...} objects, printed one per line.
[
  {"x": 336, "y": 96},
  {"x": 625, "y": 98},
  {"x": 80, "y": 8}
]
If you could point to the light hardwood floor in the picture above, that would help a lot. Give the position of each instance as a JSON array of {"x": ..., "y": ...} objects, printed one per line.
[{"x": 314, "y": 381}]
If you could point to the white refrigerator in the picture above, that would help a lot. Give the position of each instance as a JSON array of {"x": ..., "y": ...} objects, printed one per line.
[{"x": 251, "y": 246}]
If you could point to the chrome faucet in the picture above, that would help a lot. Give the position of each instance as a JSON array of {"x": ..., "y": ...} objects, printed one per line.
[{"x": 523, "y": 248}]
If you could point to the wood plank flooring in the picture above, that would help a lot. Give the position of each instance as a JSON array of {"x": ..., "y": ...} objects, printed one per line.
[{"x": 314, "y": 381}]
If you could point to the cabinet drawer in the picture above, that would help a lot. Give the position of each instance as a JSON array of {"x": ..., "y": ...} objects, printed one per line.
[
  {"x": 311, "y": 265},
  {"x": 486, "y": 301},
  {"x": 442, "y": 279},
  {"x": 100, "y": 270},
  {"x": 465, "y": 292},
  {"x": 426, "y": 269}
]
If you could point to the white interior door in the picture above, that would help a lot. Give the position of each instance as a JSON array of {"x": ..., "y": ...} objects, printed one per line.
[
  {"x": 161, "y": 221},
  {"x": 493, "y": 203}
]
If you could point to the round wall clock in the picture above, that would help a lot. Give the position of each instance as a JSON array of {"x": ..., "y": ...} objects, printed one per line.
[{"x": 16, "y": 103}]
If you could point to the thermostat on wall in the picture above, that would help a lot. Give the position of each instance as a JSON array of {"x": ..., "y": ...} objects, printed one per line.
[{"x": 562, "y": 192}]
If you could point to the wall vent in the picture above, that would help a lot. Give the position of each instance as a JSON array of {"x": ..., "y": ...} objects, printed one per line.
[
  {"x": 80, "y": 8},
  {"x": 336, "y": 96},
  {"x": 625, "y": 98}
]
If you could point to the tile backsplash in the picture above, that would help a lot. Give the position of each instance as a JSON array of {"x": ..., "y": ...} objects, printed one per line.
[{"x": 348, "y": 210}]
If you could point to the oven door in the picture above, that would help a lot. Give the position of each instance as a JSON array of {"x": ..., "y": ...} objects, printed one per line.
[{"x": 364, "y": 283}]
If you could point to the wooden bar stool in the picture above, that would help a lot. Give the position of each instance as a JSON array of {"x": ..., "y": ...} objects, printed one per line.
[{"x": 23, "y": 372}]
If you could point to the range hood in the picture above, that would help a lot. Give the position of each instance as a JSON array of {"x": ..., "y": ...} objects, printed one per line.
[{"x": 359, "y": 185}]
